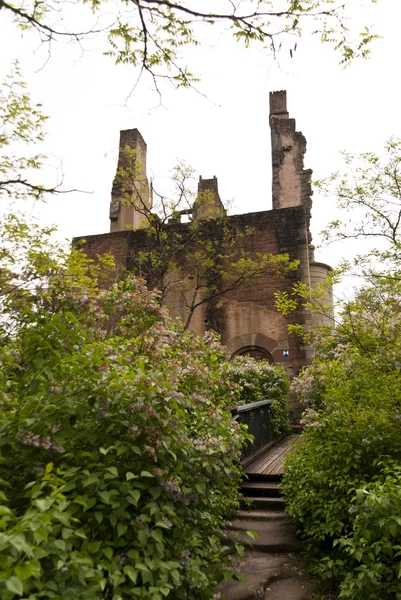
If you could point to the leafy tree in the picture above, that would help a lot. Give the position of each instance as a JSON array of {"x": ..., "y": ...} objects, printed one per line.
[
  {"x": 119, "y": 461},
  {"x": 259, "y": 380},
  {"x": 118, "y": 458},
  {"x": 200, "y": 260},
  {"x": 151, "y": 33},
  {"x": 29, "y": 257},
  {"x": 341, "y": 484},
  {"x": 21, "y": 127},
  {"x": 368, "y": 194},
  {"x": 21, "y": 131}
]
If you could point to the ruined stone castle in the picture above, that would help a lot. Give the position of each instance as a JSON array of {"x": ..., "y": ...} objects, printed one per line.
[{"x": 245, "y": 317}]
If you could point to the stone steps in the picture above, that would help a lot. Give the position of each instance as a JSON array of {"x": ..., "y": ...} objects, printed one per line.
[
  {"x": 265, "y": 502},
  {"x": 259, "y": 569},
  {"x": 260, "y": 515},
  {"x": 272, "y": 537},
  {"x": 260, "y": 488},
  {"x": 268, "y": 560},
  {"x": 262, "y": 493}
]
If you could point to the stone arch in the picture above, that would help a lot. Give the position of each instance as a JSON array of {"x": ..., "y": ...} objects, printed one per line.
[
  {"x": 256, "y": 342},
  {"x": 256, "y": 352}
]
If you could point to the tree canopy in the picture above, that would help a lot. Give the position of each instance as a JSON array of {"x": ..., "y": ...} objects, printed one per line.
[
  {"x": 150, "y": 34},
  {"x": 21, "y": 129},
  {"x": 368, "y": 196}
]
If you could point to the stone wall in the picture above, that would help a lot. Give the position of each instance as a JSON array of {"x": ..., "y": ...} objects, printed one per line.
[{"x": 245, "y": 317}]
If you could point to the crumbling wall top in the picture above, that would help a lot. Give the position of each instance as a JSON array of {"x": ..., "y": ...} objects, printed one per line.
[
  {"x": 278, "y": 104},
  {"x": 291, "y": 181},
  {"x": 208, "y": 204}
]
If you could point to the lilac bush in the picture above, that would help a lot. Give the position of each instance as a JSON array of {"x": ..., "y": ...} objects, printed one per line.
[{"x": 118, "y": 458}]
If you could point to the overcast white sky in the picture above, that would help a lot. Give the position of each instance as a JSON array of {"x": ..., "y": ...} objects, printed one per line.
[{"x": 225, "y": 133}]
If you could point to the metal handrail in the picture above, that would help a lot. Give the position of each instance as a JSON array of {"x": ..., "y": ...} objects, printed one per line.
[
  {"x": 257, "y": 417},
  {"x": 245, "y": 407}
]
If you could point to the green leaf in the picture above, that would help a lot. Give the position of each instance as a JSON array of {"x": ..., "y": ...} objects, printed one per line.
[
  {"x": 4, "y": 510},
  {"x": 200, "y": 488},
  {"x": 15, "y": 585},
  {"x": 44, "y": 504},
  {"x": 113, "y": 471},
  {"x": 143, "y": 539},
  {"x": 108, "y": 552},
  {"x": 60, "y": 544},
  {"x": 90, "y": 480},
  {"x": 23, "y": 571},
  {"x": 131, "y": 572},
  {"x": 94, "y": 547},
  {"x": 130, "y": 476},
  {"x": 136, "y": 494},
  {"x": 19, "y": 542},
  {"x": 157, "y": 534},
  {"x": 105, "y": 496}
]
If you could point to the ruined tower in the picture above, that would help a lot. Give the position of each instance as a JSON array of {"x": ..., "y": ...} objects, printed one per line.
[
  {"x": 244, "y": 316},
  {"x": 291, "y": 186},
  {"x": 130, "y": 197},
  {"x": 291, "y": 182},
  {"x": 208, "y": 204}
]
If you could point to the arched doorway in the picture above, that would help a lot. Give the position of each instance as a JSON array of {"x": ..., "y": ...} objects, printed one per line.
[{"x": 256, "y": 352}]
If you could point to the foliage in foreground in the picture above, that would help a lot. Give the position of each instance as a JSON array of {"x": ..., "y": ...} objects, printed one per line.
[
  {"x": 118, "y": 462},
  {"x": 259, "y": 380},
  {"x": 21, "y": 130},
  {"x": 151, "y": 35},
  {"x": 342, "y": 486}
]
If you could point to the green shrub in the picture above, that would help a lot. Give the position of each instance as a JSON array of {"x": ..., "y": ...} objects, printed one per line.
[
  {"x": 341, "y": 483},
  {"x": 258, "y": 380},
  {"x": 118, "y": 460},
  {"x": 373, "y": 546}
]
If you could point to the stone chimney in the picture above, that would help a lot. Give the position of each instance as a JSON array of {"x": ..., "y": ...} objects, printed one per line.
[
  {"x": 130, "y": 197},
  {"x": 208, "y": 204},
  {"x": 291, "y": 182}
]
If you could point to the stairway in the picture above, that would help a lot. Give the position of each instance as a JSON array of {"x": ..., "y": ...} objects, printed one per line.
[
  {"x": 268, "y": 564},
  {"x": 262, "y": 492}
]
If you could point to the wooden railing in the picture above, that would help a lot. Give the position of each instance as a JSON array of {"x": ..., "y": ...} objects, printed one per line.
[{"x": 257, "y": 416}]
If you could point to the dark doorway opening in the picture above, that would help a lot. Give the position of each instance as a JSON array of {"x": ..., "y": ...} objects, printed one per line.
[{"x": 256, "y": 352}]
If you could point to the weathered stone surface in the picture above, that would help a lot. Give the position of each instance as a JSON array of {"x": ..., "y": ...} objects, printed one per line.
[
  {"x": 130, "y": 197},
  {"x": 259, "y": 569},
  {"x": 209, "y": 206},
  {"x": 273, "y": 536},
  {"x": 296, "y": 588},
  {"x": 291, "y": 182},
  {"x": 260, "y": 515},
  {"x": 266, "y": 503}
]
